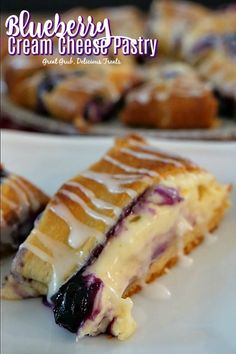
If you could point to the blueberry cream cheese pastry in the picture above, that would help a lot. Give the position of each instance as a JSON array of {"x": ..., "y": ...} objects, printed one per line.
[
  {"x": 21, "y": 202},
  {"x": 90, "y": 95},
  {"x": 173, "y": 97},
  {"x": 112, "y": 228}
]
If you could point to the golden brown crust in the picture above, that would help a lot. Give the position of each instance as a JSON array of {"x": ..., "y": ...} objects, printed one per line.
[
  {"x": 70, "y": 97},
  {"x": 18, "y": 68},
  {"x": 72, "y": 94},
  {"x": 10, "y": 194},
  {"x": 181, "y": 102},
  {"x": 21, "y": 201}
]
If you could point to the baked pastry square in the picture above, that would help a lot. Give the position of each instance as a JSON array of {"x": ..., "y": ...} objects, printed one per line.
[
  {"x": 112, "y": 228},
  {"x": 169, "y": 21},
  {"x": 81, "y": 94},
  {"x": 21, "y": 202},
  {"x": 173, "y": 97}
]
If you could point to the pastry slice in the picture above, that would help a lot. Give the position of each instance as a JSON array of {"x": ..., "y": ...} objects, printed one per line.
[
  {"x": 220, "y": 70},
  {"x": 173, "y": 97},
  {"x": 216, "y": 32},
  {"x": 21, "y": 202},
  {"x": 92, "y": 96},
  {"x": 169, "y": 21},
  {"x": 112, "y": 228},
  {"x": 19, "y": 67}
]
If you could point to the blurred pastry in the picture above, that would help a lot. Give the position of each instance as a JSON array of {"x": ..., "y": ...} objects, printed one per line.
[
  {"x": 220, "y": 70},
  {"x": 173, "y": 97},
  {"x": 69, "y": 95},
  {"x": 21, "y": 202},
  {"x": 211, "y": 46},
  {"x": 215, "y": 32},
  {"x": 170, "y": 20},
  {"x": 3, "y": 46},
  {"x": 20, "y": 67}
]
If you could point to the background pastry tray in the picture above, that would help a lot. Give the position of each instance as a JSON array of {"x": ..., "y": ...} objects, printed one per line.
[{"x": 28, "y": 119}]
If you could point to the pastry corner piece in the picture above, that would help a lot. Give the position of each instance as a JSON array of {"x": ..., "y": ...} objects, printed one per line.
[
  {"x": 112, "y": 228},
  {"x": 21, "y": 202}
]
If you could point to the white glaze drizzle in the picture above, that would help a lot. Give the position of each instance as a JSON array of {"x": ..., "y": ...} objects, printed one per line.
[
  {"x": 154, "y": 149},
  {"x": 33, "y": 201},
  {"x": 19, "y": 192},
  {"x": 127, "y": 168},
  {"x": 79, "y": 232},
  {"x": 9, "y": 202},
  {"x": 63, "y": 260},
  {"x": 113, "y": 185},
  {"x": 98, "y": 203},
  {"x": 37, "y": 252},
  {"x": 98, "y": 216},
  {"x": 145, "y": 155},
  {"x": 157, "y": 291}
]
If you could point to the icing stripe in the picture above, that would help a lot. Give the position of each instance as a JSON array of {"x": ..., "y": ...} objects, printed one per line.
[
  {"x": 63, "y": 259},
  {"x": 79, "y": 232},
  {"x": 37, "y": 252},
  {"x": 112, "y": 185},
  {"x": 156, "y": 150},
  {"x": 144, "y": 155},
  {"x": 75, "y": 198},
  {"x": 33, "y": 200},
  {"x": 19, "y": 192},
  {"x": 128, "y": 168},
  {"x": 98, "y": 203},
  {"x": 9, "y": 203}
]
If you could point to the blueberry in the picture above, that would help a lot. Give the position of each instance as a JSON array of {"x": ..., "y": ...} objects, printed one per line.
[
  {"x": 48, "y": 83},
  {"x": 204, "y": 43},
  {"x": 98, "y": 110},
  {"x": 74, "y": 302},
  {"x": 169, "y": 195}
]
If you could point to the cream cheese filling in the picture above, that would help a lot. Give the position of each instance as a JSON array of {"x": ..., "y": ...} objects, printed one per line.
[
  {"x": 129, "y": 254},
  {"x": 126, "y": 257}
]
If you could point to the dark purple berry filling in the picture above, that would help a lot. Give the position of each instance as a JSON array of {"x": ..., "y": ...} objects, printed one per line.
[
  {"x": 170, "y": 196},
  {"x": 227, "y": 42},
  {"x": 98, "y": 110},
  {"x": 206, "y": 43},
  {"x": 48, "y": 83},
  {"x": 74, "y": 301},
  {"x": 227, "y": 105},
  {"x": 171, "y": 74}
]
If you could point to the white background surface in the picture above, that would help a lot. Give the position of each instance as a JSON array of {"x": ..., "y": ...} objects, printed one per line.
[{"x": 200, "y": 316}]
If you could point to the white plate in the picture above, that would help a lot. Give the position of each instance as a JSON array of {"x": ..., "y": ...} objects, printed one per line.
[{"x": 199, "y": 318}]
